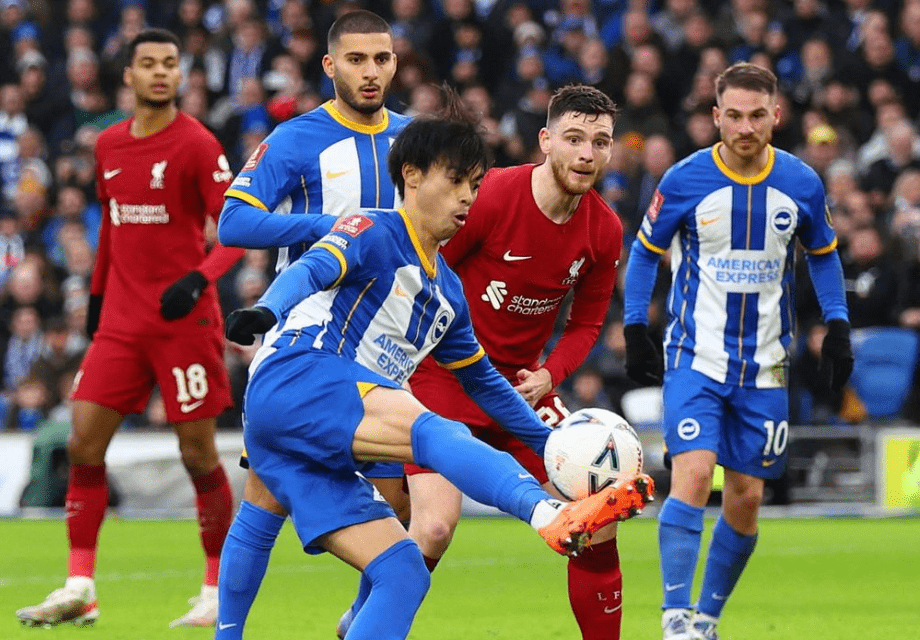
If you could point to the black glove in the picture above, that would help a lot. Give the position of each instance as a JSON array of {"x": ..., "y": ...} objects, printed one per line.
[
  {"x": 180, "y": 298},
  {"x": 836, "y": 355},
  {"x": 643, "y": 362},
  {"x": 243, "y": 325},
  {"x": 93, "y": 311}
]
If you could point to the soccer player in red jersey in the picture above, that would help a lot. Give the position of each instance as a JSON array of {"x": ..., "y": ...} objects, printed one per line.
[
  {"x": 159, "y": 175},
  {"x": 534, "y": 234}
]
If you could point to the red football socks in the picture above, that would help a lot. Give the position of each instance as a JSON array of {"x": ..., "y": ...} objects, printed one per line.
[
  {"x": 87, "y": 499},
  {"x": 214, "y": 499},
  {"x": 596, "y": 591}
]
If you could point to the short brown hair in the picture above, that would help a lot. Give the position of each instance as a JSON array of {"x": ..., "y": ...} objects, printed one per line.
[
  {"x": 580, "y": 98},
  {"x": 745, "y": 75}
]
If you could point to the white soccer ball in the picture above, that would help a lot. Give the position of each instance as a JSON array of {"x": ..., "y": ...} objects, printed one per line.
[{"x": 590, "y": 450}]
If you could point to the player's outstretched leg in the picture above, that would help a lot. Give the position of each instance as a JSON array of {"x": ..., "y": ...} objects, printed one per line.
[
  {"x": 570, "y": 531},
  {"x": 75, "y": 603}
]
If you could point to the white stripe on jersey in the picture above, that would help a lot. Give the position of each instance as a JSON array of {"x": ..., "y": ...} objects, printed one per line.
[{"x": 340, "y": 173}]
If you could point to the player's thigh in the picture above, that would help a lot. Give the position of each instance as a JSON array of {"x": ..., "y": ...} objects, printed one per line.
[
  {"x": 359, "y": 544},
  {"x": 191, "y": 373},
  {"x": 757, "y": 432},
  {"x": 694, "y": 412},
  {"x": 385, "y": 432},
  {"x": 436, "y": 502},
  {"x": 255, "y": 492},
  {"x": 115, "y": 373}
]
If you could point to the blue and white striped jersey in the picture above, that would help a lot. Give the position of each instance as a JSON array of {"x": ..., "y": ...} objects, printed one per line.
[
  {"x": 731, "y": 308},
  {"x": 320, "y": 162},
  {"x": 378, "y": 300}
]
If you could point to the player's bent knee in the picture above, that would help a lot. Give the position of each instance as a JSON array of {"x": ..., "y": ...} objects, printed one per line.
[{"x": 258, "y": 494}]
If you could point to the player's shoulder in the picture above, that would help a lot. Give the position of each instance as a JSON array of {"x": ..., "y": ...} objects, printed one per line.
[
  {"x": 502, "y": 177},
  {"x": 697, "y": 172},
  {"x": 117, "y": 132},
  {"x": 397, "y": 121},
  {"x": 192, "y": 131},
  {"x": 794, "y": 172}
]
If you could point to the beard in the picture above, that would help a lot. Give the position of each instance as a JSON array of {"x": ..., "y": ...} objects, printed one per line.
[
  {"x": 154, "y": 104},
  {"x": 352, "y": 99},
  {"x": 564, "y": 181}
]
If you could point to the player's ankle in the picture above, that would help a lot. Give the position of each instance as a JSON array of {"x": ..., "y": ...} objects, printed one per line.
[{"x": 545, "y": 512}]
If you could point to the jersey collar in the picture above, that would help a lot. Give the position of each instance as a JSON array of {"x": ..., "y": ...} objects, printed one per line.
[
  {"x": 427, "y": 266},
  {"x": 740, "y": 179},
  {"x": 354, "y": 126}
]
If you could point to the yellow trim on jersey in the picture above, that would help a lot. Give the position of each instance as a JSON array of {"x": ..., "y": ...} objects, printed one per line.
[
  {"x": 245, "y": 197},
  {"x": 364, "y": 388},
  {"x": 737, "y": 177},
  {"x": 649, "y": 245},
  {"x": 823, "y": 250},
  {"x": 354, "y": 126},
  {"x": 244, "y": 454},
  {"x": 459, "y": 364},
  {"x": 429, "y": 268},
  {"x": 343, "y": 265}
]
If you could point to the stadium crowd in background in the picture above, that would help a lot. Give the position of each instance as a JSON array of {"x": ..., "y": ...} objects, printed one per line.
[{"x": 849, "y": 74}]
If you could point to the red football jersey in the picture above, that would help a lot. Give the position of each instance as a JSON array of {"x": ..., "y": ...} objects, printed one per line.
[
  {"x": 156, "y": 193},
  {"x": 517, "y": 267}
]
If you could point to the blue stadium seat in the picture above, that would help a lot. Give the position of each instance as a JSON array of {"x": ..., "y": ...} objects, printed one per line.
[{"x": 886, "y": 358}]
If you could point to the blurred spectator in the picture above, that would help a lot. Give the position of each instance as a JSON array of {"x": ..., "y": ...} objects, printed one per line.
[
  {"x": 587, "y": 391},
  {"x": 29, "y": 405},
  {"x": 822, "y": 147},
  {"x": 198, "y": 52},
  {"x": 870, "y": 278},
  {"x": 640, "y": 112},
  {"x": 13, "y": 123},
  {"x": 817, "y": 70},
  {"x": 24, "y": 346},
  {"x": 881, "y": 175},
  {"x": 12, "y": 247},
  {"x": 669, "y": 23},
  {"x": 56, "y": 358},
  {"x": 699, "y": 132},
  {"x": 907, "y": 46}
]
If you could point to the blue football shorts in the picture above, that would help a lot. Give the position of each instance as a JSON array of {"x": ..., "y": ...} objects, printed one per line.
[
  {"x": 747, "y": 428},
  {"x": 302, "y": 409}
]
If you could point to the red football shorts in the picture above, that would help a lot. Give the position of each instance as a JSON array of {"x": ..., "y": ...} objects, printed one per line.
[
  {"x": 120, "y": 372},
  {"x": 439, "y": 390}
]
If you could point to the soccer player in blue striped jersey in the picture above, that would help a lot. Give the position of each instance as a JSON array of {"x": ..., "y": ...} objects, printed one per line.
[
  {"x": 332, "y": 160},
  {"x": 731, "y": 215},
  {"x": 358, "y": 313}
]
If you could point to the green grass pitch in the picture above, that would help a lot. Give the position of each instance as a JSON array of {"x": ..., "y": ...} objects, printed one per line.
[{"x": 810, "y": 579}]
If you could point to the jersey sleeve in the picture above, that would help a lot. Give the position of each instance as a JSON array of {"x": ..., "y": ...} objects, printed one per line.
[
  {"x": 664, "y": 215},
  {"x": 341, "y": 251},
  {"x": 212, "y": 173},
  {"x": 271, "y": 172},
  {"x": 101, "y": 266},
  {"x": 816, "y": 230}
]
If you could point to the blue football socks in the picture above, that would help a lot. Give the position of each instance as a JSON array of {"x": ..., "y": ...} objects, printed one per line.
[
  {"x": 398, "y": 581},
  {"x": 728, "y": 554},
  {"x": 243, "y": 561},
  {"x": 680, "y": 527},
  {"x": 481, "y": 472}
]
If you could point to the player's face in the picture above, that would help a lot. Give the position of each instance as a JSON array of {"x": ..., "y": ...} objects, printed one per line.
[
  {"x": 154, "y": 73},
  {"x": 745, "y": 119},
  {"x": 577, "y": 148},
  {"x": 444, "y": 198},
  {"x": 362, "y": 66}
]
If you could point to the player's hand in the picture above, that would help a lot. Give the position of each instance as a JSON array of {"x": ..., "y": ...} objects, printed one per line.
[
  {"x": 533, "y": 385},
  {"x": 836, "y": 355},
  {"x": 243, "y": 325},
  {"x": 93, "y": 311},
  {"x": 180, "y": 298},
  {"x": 643, "y": 362}
]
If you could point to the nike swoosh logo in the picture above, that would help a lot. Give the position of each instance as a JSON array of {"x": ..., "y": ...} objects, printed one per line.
[
  {"x": 108, "y": 175},
  {"x": 768, "y": 463},
  {"x": 225, "y": 625},
  {"x": 185, "y": 407},
  {"x": 524, "y": 476},
  {"x": 673, "y": 587},
  {"x": 612, "y": 609},
  {"x": 332, "y": 175},
  {"x": 510, "y": 258},
  {"x": 716, "y": 596},
  {"x": 710, "y": 221}
]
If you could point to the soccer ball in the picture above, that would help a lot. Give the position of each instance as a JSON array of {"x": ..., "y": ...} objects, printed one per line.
[{"x": 589, "y": 450}]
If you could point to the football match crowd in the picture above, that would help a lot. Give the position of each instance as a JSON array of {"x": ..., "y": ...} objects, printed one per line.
[{"x": 849, "y": 75}]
